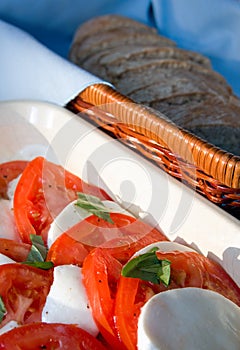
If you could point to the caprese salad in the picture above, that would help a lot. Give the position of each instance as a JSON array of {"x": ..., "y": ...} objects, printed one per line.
[{"x": 77, "y": 271}]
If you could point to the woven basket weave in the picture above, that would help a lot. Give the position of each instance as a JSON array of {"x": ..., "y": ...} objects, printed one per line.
[{"x": 209, "y": 170}]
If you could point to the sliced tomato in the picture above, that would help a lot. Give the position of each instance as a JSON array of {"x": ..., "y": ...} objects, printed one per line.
[
  {"x": 43, "y": 190},
  {"x": 17, "y": 251},
  {"x": 8, "y": 172},
  {"x": 121, "y": 239},
  {"x": 190, "y": 269},
  {"x": 66, "y": 250},
  {"x": 136, "y": 236},
  {"x": 101, "y": 273},
  {"x": 23, "y": 290},
  {"x": 132, "y": 294},
  {"x": 8, "y": 227},
  {"x": 49, "y": 336}
]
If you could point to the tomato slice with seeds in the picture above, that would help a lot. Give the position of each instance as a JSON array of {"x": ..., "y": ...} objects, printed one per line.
[
  {"x": 43, "y": 190},
  {"x": 188, "y": 269},
  {"x": 132, "y": 294},
  {"x": 23, "y": 290},
  {"x": 8, "y": 172},
  {"x": 191, "y": 269},
  {"x": 66, "y": 250},
  {"x": 121, "y": 239},
  {"x": 101, "y": 273},
  {"x": 17, "y": 251},
  {"x": 49, "y": 336}
]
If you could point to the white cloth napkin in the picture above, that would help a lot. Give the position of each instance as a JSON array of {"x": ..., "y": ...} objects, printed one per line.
[{"x": 29, "y": 70}]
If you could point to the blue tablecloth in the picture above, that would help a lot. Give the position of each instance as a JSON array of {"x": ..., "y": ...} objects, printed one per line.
[{"x": 211, "y": 27}]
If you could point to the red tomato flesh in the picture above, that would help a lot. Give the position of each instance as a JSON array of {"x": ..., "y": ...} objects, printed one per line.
[
  {"x": 8, "y": 172},
  {"x": 24, "y": 290},
  {"x": 101, "y": 273},
  {"x": 17, "y": 251},
  {"x": 43, "y": 190},
  {"x": 49, "y": 336},
  {"x": 188, "y": 269},
  {"x": 66, "y": 250},
  {"x": 121, "y": 239}
]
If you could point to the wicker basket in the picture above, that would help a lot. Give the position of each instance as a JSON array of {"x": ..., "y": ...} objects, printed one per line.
[{"x": 209, "y": 170}]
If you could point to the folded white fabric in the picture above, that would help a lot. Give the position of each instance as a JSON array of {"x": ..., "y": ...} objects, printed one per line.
[{"x": 29, "y": 70}]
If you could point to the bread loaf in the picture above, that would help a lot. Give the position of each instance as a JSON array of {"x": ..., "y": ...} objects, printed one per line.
[{"x": 149, "y": 68}]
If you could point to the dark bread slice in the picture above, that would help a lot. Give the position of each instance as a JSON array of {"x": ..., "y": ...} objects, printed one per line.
[
  {"x": 165, "y": 70},
  {"x": 191, "y": 109},
  {"x": 113, "y": 62},
  {"x": 126, "y": 55},
  {"x": 115, "y": 38},
  {"x": 172, "y": 86},
  {"x": 108, "y": 22},
  {"x": 223, "y": 136},
  {"x": 210, "y": 117},
  {"x": 184, "y": 88}
]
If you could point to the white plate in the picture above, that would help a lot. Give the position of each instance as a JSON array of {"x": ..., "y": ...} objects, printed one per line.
[{"x": 30, "y": 128}]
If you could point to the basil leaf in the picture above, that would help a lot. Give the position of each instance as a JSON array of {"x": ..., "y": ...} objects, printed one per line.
[
  {"x": 164, "y": 275},
  {"x": 3, "y": 310},
  {"x": 37, "y": 254},
  {"x": 94, "y": 206},
  {"x": 148, "y": 267},
  {"x": 44, "y": 265},
  {"x": 38, "y": 250}
]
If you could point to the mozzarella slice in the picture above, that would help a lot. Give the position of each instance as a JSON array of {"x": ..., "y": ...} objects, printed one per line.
[
  {"x": 11, "y": 188},
  {"x": 73, "y": 214},
  {"x": 67, "y": 301},
  {"x": 165, "y": 246},
  {"x": 10, "y": 325},
  {"x": 5, "y": 260},
  {"x": 7, "y": 224},
  {"x": 187, "y": 319}
]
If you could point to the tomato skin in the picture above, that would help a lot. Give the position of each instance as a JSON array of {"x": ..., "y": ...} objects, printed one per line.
[
  {"x": 8, "y": 172},
  {"x": 17, "y": 251},
  {"x": 49, "y": 336},
  {"x": 66, "y": 250},
  {"x": 121, "y": 239},
  {"x": 221, "y": 282},
  {"x": 132, "y": 294},
  {"x": 43, "y": 190},
  {"x": 24, "y": 290},
  {"x": 190, "y": 269},
  {"x": 101, "y": 273},
  {"x": 137, "y": 235},
  {"x": 127, "y": 315}
]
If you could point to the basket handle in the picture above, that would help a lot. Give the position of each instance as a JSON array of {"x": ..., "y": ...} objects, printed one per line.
[{"x": 219, "y": 164}]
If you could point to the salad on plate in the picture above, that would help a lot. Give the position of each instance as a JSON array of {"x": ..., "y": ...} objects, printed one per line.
[{"x": 78, "y": 271}]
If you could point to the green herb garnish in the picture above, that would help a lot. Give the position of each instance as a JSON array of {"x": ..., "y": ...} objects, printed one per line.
[
  {"x": 38, "y": 250},
  {"x": 148, "y": 267},
  {"x": 44, "y": 265},
  {"x": 37, "y": 254},
  {"x": 3, "y": 310},
  {"x": 94, "y": 206}
]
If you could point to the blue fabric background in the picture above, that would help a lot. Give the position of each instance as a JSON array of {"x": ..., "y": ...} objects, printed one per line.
[{"x": 211, "y": 27}]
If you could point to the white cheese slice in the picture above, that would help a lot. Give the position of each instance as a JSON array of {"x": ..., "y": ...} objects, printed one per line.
[
  {"x": 187, "y": 319},
  {"x": 165, "y": 246},
  {"x": 73, "y": 214},
  {"x": 10, "y": 325},
  {"x": 5, "y": 260},
  {"x": 11, "y": 189},
  {"x": 67, "y": 300},
  {"x": 7, "y": 224}
]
